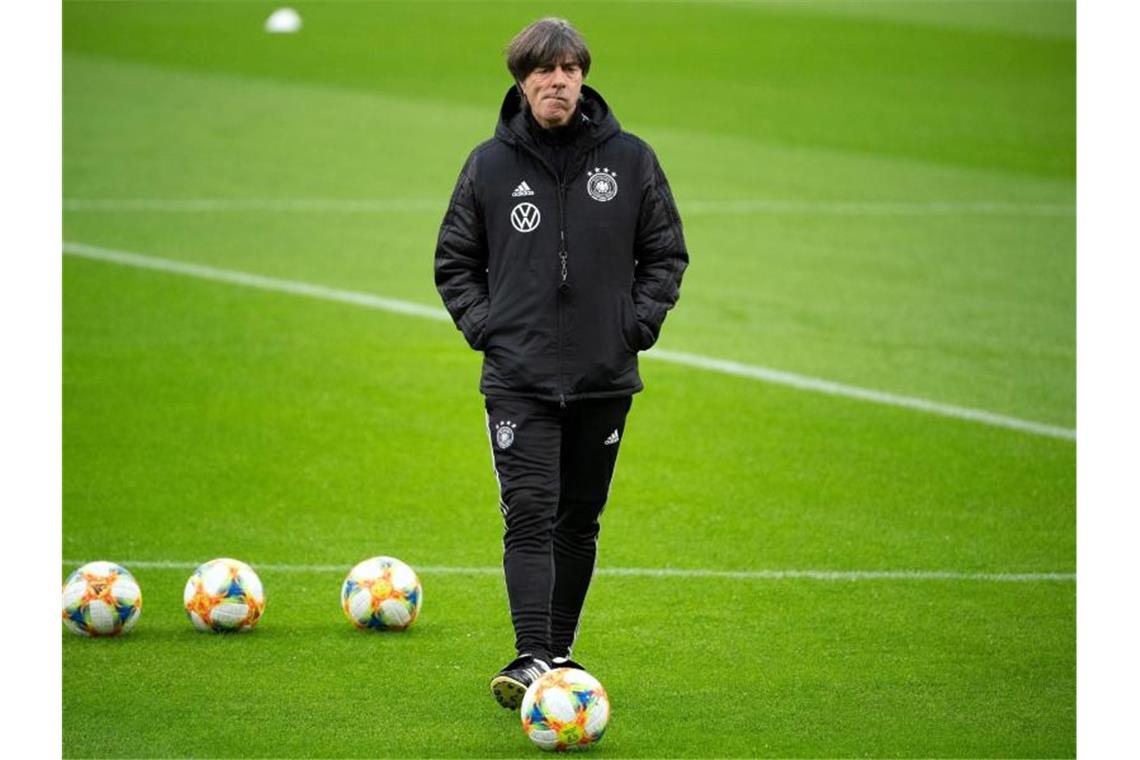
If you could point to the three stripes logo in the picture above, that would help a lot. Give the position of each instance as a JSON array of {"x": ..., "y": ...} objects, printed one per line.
[
  {"x": 613, "y": 438},
  {"x": 521, "y": 190}
]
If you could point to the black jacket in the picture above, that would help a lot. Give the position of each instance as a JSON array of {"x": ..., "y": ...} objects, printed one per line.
[{"x": 560, "y": 280}]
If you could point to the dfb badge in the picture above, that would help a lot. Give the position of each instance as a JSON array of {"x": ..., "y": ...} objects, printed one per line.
[
  {"x": 505, "y": 434},
  {"x": 601, "y": 184}
]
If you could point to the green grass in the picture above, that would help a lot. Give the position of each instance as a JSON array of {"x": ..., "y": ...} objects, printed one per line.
[{"x": 203, "y": 419}]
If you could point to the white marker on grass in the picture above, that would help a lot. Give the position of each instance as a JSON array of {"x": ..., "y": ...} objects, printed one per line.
[{"x": 283, "y": 21}]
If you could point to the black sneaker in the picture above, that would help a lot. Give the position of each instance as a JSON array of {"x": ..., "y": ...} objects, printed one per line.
[
  {"x": 510, "y": 684},
  {"x": 565, "y": 662}
]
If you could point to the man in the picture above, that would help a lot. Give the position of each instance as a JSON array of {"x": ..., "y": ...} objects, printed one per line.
[{"x": 559, "y": 255}]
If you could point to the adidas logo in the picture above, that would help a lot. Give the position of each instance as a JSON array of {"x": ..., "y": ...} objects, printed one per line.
[
  {"x": 613, "y": 438},
  {"x": 522, "y": 189}
]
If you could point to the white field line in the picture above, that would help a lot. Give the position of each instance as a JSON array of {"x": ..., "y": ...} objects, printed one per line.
[
  {"x": 723, "y": 366},
  {"x": 802, "y": 382},
  {"x": 649, "y": 572},
  {"x": 632, "y": 2},
  {"x": 700, "y": 207},
  {"x": 260, "y": 282},
  {"x": 878, "y": 208},
  {"x": 207, "y": 205}
]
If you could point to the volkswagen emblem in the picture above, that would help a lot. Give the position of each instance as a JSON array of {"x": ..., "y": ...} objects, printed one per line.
[{"x": 525, "y": 217}]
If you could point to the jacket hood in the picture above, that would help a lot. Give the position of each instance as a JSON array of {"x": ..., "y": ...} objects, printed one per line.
[{"x": 601, "y": 123}]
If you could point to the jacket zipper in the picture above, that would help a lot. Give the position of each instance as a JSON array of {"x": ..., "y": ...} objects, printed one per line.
[{"x": 563, "y": 286}]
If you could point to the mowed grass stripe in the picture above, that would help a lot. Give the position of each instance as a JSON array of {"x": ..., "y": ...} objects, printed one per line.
[
  {"x": 701, "y": 207},
  {"x": 723, "y": 366},
  {"x": 972, "y": 310},
  {"x": 662, "y": 572},
  {"x": 891, "y": 670}
]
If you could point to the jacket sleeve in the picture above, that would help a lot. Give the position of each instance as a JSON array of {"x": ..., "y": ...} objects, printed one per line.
[
  {"x": 461, "y": 260},
  {"x": 659, "y": 253}
]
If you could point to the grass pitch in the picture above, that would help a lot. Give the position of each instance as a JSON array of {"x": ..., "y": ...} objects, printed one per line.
[{"x": 878, "y": 194}]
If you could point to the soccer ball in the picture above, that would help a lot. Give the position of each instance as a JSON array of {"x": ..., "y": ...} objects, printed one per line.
[
  {"x": 383, "y": 593},
  {"x": 224, "y": 595},
  {"x": 565, "y": 709},
  {"x": 101, "y": 599}
]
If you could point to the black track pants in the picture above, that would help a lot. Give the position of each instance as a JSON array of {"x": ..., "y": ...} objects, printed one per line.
[{"x": 554, "y": 467}]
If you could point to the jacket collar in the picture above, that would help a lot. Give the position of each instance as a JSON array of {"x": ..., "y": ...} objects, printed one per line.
[{"x": 600, "y": 123}]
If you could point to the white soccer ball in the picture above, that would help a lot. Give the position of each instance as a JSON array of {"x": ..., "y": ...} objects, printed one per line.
[
  {"x": 283, "y": 21},
  {"x": 382, "y": 593},
  {"x": 565, "y": 709},
  {"x": 101, "y": 599},
  {"x": 224, "y": 595}
]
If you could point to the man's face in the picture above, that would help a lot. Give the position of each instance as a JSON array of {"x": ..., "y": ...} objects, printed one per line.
[{"x": 552, "y": 92}]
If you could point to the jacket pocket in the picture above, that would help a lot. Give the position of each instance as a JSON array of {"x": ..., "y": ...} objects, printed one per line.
[
  {"x": 486, "y": 332},
  {"x": 630, "y": 329}
]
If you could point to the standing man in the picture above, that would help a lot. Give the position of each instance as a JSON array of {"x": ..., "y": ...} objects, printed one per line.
[{"x": 559, "y": 255}]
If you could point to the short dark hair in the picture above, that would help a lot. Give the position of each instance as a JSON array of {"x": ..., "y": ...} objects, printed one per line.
[{"x": 546, "y": 42}]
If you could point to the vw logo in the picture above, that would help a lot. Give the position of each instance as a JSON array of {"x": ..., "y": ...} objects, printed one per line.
[{"x": 525, "y": 217}]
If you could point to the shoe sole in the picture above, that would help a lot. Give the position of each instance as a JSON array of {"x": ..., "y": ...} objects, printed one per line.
[{"x": 507, "y": 691}]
